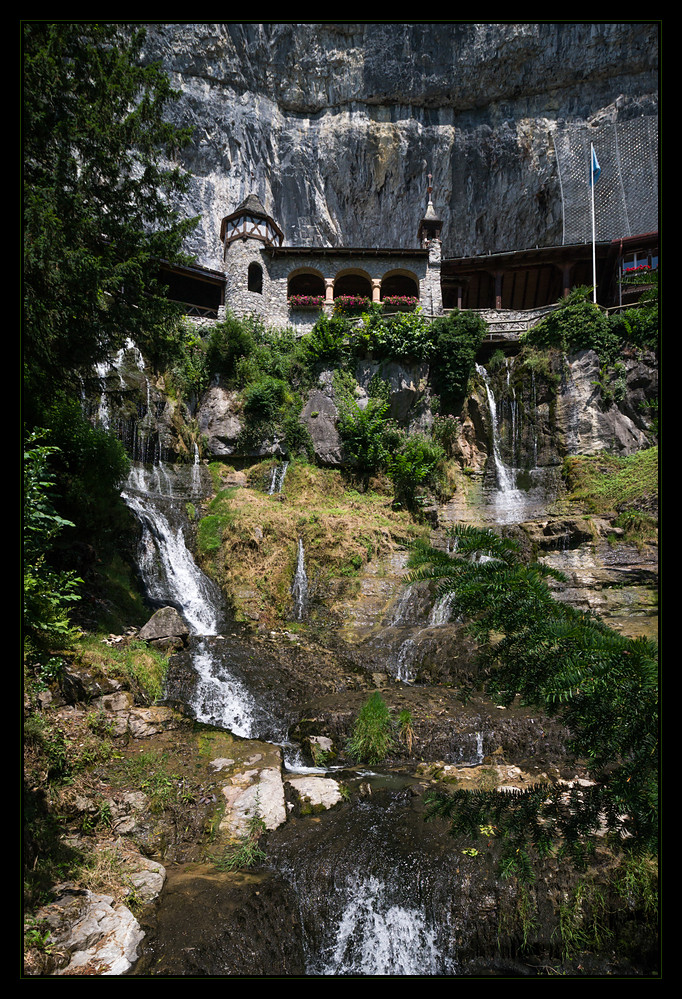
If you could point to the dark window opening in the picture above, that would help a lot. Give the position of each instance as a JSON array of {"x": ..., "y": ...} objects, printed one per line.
[
  {"x": 399, "y": 286},
  {"x": 255, "y": 282},
  {"x": 306, "y": 284},
  {"x": 352, "y": 284}
]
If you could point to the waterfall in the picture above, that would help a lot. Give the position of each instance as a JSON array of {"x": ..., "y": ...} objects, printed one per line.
[
  {"x": 277, "y": 480},
  {"x": 404, "y": 604},
  {"x": 220, "y": 699},
  {"x": 440, "y": 614},
  {"x": 168, "y": 569},
  {"x": 374, "y": 937},
  {"x": 403, "y": 663},
  {"x": 503, "y": 477},
  {"x": 509, "y": 503},
  {"x": 299, "y": 588}
]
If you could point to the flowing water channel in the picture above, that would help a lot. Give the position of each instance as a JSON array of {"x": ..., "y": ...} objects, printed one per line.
[
  {"x": 371, "y": 898},
  {"x": 372, "y": 920}
]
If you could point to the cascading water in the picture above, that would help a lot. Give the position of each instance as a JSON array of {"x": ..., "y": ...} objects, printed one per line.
[
  {"x": 442, "y": 609},
  {"x": 509, "y": 503},
  {"x": 277, "y": 480},
  {"x": 374, "y": 937},
  {"x": 169, "y": 572},
  {"x": 221, "y": 699},
  {"x": 299, "y": 588}
]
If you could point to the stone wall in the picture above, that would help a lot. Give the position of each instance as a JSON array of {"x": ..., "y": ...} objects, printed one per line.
[
  {"x": 336, "y": 126},
  {"x": 271, "y": 303}
]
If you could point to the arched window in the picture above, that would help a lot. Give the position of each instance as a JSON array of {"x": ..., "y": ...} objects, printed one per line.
[
  {"x": 255, "y": 278},
  {"x": 354, "y": 284},
  {"x": 305, "y": 283},
  {"x": 399, "y": 285}
]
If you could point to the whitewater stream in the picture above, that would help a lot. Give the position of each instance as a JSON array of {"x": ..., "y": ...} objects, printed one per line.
[{"x": 372, "y": 922}]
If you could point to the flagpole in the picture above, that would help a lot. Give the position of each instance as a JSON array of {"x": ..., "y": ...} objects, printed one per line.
[{"x": 594, "y": 247}]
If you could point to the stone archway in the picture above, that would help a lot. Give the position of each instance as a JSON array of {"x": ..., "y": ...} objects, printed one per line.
[
  {"x": 399, "y": 284},
  {"x": 305, "y": 283},
  {"x": 356, "y": 283}
]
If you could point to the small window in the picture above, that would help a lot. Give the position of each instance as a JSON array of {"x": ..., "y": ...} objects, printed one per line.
[{"x": 256, "y": 278}]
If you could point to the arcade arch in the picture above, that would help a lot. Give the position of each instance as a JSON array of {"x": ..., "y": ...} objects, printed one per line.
[
  {"x": 305, "y": 282},
  {"x": 401, "y": 283}
]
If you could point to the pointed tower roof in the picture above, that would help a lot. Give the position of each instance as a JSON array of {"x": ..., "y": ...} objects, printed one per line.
[
  {"x": 250, "y": 219},
  {"x": 430, "y": 226}
]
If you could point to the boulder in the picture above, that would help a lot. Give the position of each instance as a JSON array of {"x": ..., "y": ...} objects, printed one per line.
[
  {"x": 96, "y": 935},
  {"x": 164, "y": 626},
  {"x": 315, "y": 793}
]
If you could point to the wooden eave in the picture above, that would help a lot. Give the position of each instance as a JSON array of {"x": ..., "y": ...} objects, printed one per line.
[
  {"x": 531, "y": 257},
  {"x": 262, "y": 217},
  {"x": 341, "y": 251}
]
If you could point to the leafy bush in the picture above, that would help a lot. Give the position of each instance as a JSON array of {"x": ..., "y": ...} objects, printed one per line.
[
  {"x": 456, "y": 339},
  {"x": 416, "y": 462},
  {"x": 229, "y": 341},
  {"x": 363, "y": 432},
  {"x": 90, "y": 464},
  {"x": 264, "y": 398},
  {"x": 48, "y": 593},
  {"x": 328, "y": 340},
  {"x": 372, "y": 735},
  {"x": 576, "y": 324},
  {"x": 639, "y": 327},
  {"x": 407, "y": 336}
]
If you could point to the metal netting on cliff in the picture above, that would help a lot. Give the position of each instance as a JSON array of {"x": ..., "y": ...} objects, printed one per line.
[{"x": 626, "y": 193}]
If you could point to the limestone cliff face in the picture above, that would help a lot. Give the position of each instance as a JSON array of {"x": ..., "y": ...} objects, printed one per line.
[{"x": 336, "y": 126}]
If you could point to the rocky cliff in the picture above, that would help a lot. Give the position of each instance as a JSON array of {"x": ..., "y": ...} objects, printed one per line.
[{"x": 336, "y": 126}]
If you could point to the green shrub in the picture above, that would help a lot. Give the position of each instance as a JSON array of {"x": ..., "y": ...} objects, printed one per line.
[
  {"x": 455, "y": 341},
  {"x": 264, "y": 398},
  {"x": 229, "y": 341},
  {"x": 576, "y": 324},
  {"x": 328, "y": 340},
  {"x": 48, "y": 593},
  {"x": 416, "y": 462},
  {"x": 372, "y": 735},
  {"x": 407, "y": 336}
]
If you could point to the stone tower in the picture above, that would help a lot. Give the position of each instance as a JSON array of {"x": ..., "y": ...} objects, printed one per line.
[
  {"x": 429, "y": 236},
  {"x": 245, "y": 234}
]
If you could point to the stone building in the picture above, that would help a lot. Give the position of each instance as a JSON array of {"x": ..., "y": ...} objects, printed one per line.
[{"x": 291, "y": 286}]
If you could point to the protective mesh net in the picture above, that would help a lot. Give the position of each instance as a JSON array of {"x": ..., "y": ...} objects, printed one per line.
[{"x": 626, "y": 193}]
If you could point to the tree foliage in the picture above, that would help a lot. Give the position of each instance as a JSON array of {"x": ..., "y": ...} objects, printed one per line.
[
  {"x": 48, "y": 594},
  {"x": 577, "y": 324},
  {"x": 456, "y": 339},
  {"x": 98, "y": 214},
  {"x": 600, "y": 684}
]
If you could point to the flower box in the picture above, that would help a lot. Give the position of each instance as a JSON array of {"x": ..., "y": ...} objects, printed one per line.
[
  {"x": 401, "y": 302},
  {"x": 306, "y": 301},
  {"x": 351, "y": 303}
]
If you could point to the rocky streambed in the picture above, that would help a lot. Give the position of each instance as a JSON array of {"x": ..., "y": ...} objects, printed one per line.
[{"x": 337, "y": 870}]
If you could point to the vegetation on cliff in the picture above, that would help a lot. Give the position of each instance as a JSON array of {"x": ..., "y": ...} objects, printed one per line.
[
  {"x": 98, "y": 173},
  {"x": 603, "y": 686},
  {"x": 577, "y": 324}
]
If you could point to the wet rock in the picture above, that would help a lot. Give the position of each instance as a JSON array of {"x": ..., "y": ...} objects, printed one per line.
[
  {"x": 164, "y": 626},
  {"x": 254, "y": 791},
  {"x": 95, "y": 935},
  {"x": 217, "y": 924},
  {"x": 315, "y": 793}
]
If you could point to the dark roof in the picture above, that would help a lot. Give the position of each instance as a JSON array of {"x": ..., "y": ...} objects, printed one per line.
[
  {"x": 253, "y": 205},
  {"x": 348, "y": 251}
]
